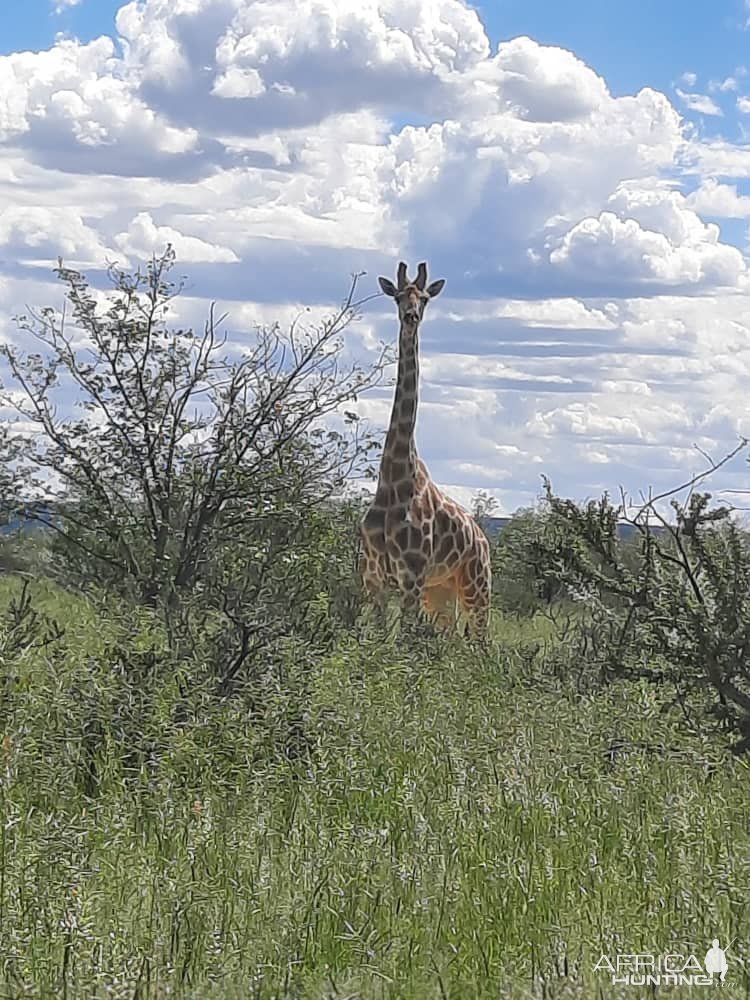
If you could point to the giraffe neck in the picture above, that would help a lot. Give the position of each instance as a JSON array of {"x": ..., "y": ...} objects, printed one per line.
[{"x": 399, "y": 447}]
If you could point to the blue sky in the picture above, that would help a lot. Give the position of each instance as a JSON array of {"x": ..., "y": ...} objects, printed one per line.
[
  {"x": 33, "y": 24},
  {"x": 633, "y": 43},
  {"x": 595, "y": 325}
]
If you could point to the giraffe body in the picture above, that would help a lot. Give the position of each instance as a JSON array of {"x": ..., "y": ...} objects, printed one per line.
[{"x": 415, "y": 539}]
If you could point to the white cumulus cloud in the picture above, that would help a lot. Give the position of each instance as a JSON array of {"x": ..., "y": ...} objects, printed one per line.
[
  {"x": 719, "y": 200},
  {"x": 650, "y": 234},
  {"x": 143, "y": 238},
  {"x": 593, "y": 314},
  {"x": 701, "y": 103}
]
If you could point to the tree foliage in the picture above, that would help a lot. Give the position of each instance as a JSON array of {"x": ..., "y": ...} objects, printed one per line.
[
  {"x": 522, "y": 576},
  {"x": 672, "y": 605},
  {"x": 192, "y": 477}
]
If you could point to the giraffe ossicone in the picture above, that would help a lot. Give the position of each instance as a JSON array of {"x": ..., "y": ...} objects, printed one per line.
[{"x": 415, "y": 539}]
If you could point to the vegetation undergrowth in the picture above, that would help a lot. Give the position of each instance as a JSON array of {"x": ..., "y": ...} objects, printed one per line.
[{"x": 455, "y": 825}]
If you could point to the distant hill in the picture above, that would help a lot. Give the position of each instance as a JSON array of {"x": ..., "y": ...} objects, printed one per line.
[
  {"x": 494, "y": 525},
  {"x": 24, "y": 525}
]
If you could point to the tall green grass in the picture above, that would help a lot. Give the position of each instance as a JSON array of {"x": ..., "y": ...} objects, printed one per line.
[{"x": 456, "y": 826}]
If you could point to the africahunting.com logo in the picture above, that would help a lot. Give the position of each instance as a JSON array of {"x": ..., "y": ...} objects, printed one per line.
[{"x": 667, "y": 969}]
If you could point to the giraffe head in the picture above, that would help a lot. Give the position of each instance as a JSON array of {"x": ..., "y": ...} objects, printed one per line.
[{"x": 411, "y": 296}]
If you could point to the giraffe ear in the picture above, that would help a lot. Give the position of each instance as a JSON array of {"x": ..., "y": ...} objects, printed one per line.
[
  {"x": 388, "y": 287},
  {"x": 435, "y": 288}
]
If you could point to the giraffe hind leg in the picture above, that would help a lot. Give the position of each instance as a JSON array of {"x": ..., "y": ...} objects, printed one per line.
[
  {"x": 440, "y": 605},
  {"x": 474, "y": 595}
]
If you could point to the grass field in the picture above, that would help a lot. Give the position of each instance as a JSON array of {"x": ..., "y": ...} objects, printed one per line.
[{"x": 458, "y": 827}]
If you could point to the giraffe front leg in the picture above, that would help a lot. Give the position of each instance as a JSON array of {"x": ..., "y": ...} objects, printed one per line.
[
  {"x": 415, "y": 619},
  {"x": 375, "y": 587},
  {"x": 378, "y": 598}
]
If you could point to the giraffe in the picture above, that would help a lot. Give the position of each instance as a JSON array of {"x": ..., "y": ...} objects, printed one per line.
[{"x": 414, "y": 538}]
